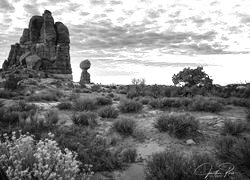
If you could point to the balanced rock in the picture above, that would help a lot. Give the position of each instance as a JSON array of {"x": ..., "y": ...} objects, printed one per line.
[
  {"x": 85, "y": 76},
  {"x": 44, "y": 46}
]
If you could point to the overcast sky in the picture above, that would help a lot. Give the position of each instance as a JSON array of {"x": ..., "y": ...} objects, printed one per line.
[{"x": 151, "y": 39}]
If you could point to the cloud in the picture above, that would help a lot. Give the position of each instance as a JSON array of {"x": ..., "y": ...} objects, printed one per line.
[
  {"x": 97, "y": 2},
  {"x": 6, "y": 6},
  {"x": 31, "y": 9},
  {"x": 115, "y": 2}
]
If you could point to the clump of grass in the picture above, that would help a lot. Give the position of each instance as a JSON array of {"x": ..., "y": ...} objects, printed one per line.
[
  {"x": 129, "y": 155},
  {"x": 206, "y": 105},
  {"x": 156, "y": 103},
  {"x": 224, "y": 146},
  {"x": 243, "y": 102},
  {"x": 102, "y": 101},
  {"x": 52, "y": 116},
  {"x": 96, "y": 87},
  {"x": 163, "y": 103},
  {"x": 84, "y": 104},
  {"x": 6, "y": 94},
  {"x": 64, "y": 105},
  {"x": 145, "y": 100},
  {"x": 176, "y": 165},
  {"x": 233, "y": 128},
  {"x": 179, "y": 124},
  {"x": 7, "y": 117},
  {"x": 125, "y": 126},
  {"x": 108, "y": 112},
  {"x": 130, "y": 106},
  {"x": 85, "y": 119}
]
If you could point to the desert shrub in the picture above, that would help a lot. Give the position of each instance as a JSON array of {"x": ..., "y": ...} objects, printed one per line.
[
  {"x": 233, "y": 128},
  {"x": 224, "y": 146},
  {"x": 175, "y": 165},
  {"x": 103, "y": 101},
  {"x": 156, "y": 103},
  {"x": 108, "y": 112},
  {"x": 85, "y": 119},
  {"x": 145, "y": 100},
  {"x": 52, "y": 116},
  {"x": 30, "y": 122},
  {"x": 129, "y": 155},
  {"x": 125, "y": 126},
  {"x": 91, "y": 148},
  {"x": 22, "y": 106},
  {"x": 130, "y": 106},
  {"x": 176, "y": 102},
  {"x": 242, "y": 152},
  {"x": 205, "y": 104},
  {"x": 155, "y": 91},
  {"x": 96, "y": 87},
  {"x": 239, "y": 101},
  {"x": 136, "y": 89},
  {"x": 110, "y": 95},
  {"x": 179, "y": 124},
  {"x": 7, "y": 117},
  {"x": 84, "y": 104},
  {"x": 64, "y": 105},
  {"x": 22, "y": 158},
  {"x": 6, "y": 94}
]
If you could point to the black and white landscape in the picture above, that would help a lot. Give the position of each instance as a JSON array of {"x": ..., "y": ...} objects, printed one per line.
[{"x": 125, "y": 90}]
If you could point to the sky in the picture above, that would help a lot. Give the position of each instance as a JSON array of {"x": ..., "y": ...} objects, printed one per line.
[{"x": 150, "y": 39}]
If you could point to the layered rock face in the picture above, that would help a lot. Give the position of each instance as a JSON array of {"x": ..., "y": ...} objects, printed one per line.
[
  {"x": 44, "y": 46},
  {"x": 85, "y": 76}
]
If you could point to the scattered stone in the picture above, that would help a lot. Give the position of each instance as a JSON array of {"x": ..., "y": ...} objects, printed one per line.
[
  {"x": 85, "y": 76},
  {"x": 190, "y": 142}
]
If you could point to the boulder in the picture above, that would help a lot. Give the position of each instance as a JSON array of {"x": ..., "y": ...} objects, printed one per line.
[
  {"x": 85, "y": 76},
  {"x": 85, "y": 64}
]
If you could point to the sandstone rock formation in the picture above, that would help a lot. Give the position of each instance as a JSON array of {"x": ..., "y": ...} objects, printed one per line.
[
  {"x": 44, "y": 46},
  {"x": 85, "y": 76}
]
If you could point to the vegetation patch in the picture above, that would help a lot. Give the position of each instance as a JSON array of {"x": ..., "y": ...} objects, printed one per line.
[
  {"x": 205, "y": 104},
  {"x": 233, "y": 128},
  {"x": 125, "y": 126},
  {"x": 102, "y": 101},
  {"x": 179, "y": 124},
  {"x": 85, "y": 119},
  {"x": 130, "y": 106},
  {"x": 84, "y": 104},
  {"x": 65, "y": 106},
  {"x": 108, "y": 112},
  {"x": 176, "y": 165}
]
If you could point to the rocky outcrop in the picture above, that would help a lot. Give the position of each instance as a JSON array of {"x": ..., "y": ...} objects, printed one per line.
[
  {"x": 85, "y": 76},
  {"x": 44, "y": 46}
]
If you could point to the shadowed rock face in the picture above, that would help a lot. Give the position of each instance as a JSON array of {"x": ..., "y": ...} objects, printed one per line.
[{"x": 44, "y": 46}]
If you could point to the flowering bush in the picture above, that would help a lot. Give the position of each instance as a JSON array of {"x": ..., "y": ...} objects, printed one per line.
[{"x": 23, "y": 158}]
